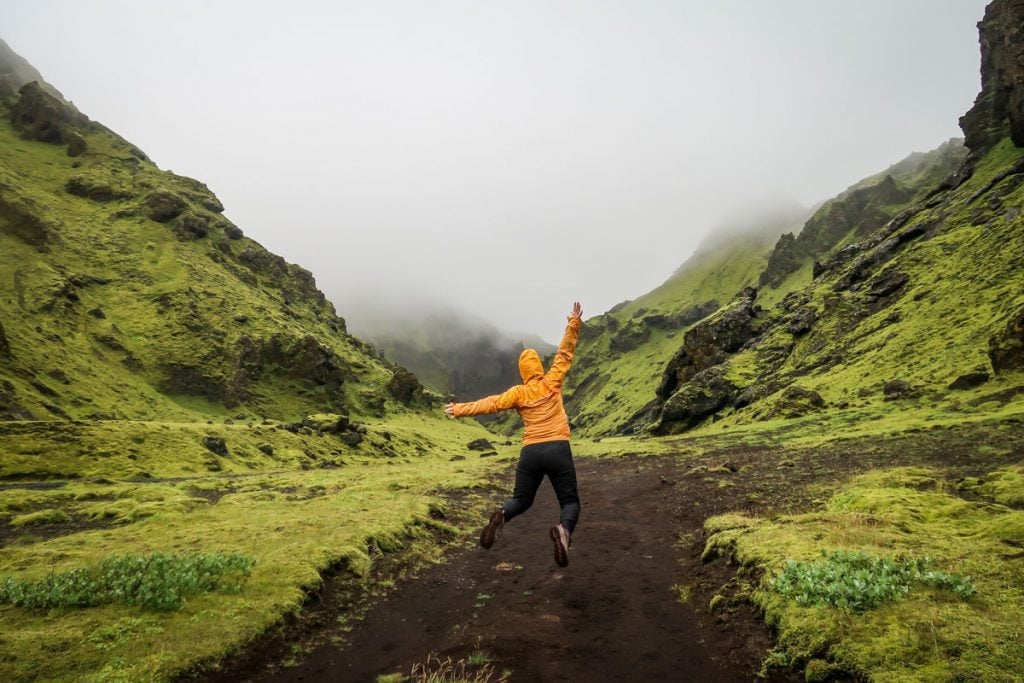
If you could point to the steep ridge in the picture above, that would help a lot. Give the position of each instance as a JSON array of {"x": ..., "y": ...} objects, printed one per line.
[
  {"x": 902, "y": 289},
  {"x": 623, "y": 357}
]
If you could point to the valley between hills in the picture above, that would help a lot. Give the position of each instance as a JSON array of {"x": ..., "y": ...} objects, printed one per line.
[{"x": 801, "y": 457}]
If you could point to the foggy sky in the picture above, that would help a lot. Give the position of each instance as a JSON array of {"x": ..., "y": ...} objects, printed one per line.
[{"x": 507, "y": 157}]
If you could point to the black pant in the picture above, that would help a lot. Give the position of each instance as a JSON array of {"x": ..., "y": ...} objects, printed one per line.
[{"x": 553, "y": 458}]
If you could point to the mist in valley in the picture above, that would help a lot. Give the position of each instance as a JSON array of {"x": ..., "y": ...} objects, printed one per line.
[{"x": 503, "y": 160}]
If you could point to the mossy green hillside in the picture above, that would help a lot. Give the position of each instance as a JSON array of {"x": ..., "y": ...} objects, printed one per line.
[
  {"x": 623, "y": 355},
  {"x": 613, "y": 376},
  {"x": 295, "y": 524},
  {"x": 960, "y": 283},
  {"x": 129, "y": 295},
  {"x": 929, "y": 634}
]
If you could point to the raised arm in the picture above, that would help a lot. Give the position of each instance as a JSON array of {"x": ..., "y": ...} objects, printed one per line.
[
  {"x": 563, "y": 358},
  {"x": 485, "y": 406}
]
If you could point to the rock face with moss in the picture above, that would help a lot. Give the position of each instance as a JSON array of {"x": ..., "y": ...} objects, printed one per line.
[
  {"x": 999, "y": 108},
  {"x": 867, "y": 303},
  {"x": 131, "y": 283}
]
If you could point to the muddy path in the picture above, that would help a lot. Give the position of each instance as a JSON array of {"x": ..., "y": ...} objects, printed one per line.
[{"x": 615, "y": 613}]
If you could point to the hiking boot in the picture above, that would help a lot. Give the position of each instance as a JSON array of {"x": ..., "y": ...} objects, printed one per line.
[
  {"x": 560, "y": 537},
  {"x": 493, "y": 528}
]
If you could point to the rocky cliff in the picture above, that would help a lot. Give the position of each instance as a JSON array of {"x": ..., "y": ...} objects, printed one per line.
[{"x": 998, "y": 110}]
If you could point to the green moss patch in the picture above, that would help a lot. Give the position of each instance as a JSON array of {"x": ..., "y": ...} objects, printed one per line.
[{"x": 894, "y": 578}]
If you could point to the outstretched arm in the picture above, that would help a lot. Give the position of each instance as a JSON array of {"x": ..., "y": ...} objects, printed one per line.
[
  {"x": 563, "y": 358},
  {"x": 485, "y": 406}
]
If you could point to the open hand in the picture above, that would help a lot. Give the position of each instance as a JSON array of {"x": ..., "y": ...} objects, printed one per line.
[
  {"x": 577, "y": 310},
  {"x": 449, "y": 409}
]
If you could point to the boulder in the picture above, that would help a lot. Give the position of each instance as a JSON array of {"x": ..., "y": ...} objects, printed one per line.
[
  {"x": 5, "y": 346},
  {"x": 329, "y": 423},
  {"x": 77, "y": 146},
  {"x": 480, "y": 445},
  {"x": 216, "y": 445},
  {"x": 38, "y": 115},
  {"x": 352, "y": 438},
  {"x": 162, "y": 206},
  {"x": 233, "y": 232},
  {"x": 265, "y": 449},
  {"x": 898, "y": 389},
  {"x": 796, "y": 401},
  {"x": 191, "y": 225},
  {"x": 404, "y": 386}
]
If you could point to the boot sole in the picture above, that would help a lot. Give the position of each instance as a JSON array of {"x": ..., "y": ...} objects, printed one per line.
[{"x": 561, "y": 552}]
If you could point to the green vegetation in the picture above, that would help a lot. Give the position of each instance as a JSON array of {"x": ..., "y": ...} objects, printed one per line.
[
  {"x": 856, "y": 581},
  {"x": 869, "y": 530},
  {"x": 158, "y": 581},
  {"x": 294, "y": 524}
]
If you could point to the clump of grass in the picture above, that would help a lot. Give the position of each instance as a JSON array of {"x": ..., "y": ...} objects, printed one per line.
[
  {"x": 160, "y": 581},
  {"x": 855, "y": 581},
  {"x": 447, "y": 670}
]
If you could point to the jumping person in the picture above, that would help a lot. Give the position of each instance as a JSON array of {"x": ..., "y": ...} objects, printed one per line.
[{"x": 538, "y": 400}]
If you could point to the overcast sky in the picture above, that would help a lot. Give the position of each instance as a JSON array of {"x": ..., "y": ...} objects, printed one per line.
[{"x": 508, "y": 157}]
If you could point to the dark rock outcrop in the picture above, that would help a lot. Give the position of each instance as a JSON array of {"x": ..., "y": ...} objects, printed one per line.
[
  {"x": 96, "y": 188},
  {"x": 630, "y": 336},
  {"x": 711, "y": 341},
  {"x": 999, "y": 108},
  {"x": 216, "y": 445},
  {"x": 898, "y": 389},
  {"x": 404, "y": 386},
  {"x": 162, "y": 206},
  {"x": 801, "y": 321},
  {"x": 969, "y": 380},
  {"x": 1006, "y": 348},
  {"x": 784, "y": 259},
  {"x": 38, "y": 115},
  {"x": 480, "y": 445},
  {"x": 5, "y": 346},
  {"x": 703, "y": 394}
]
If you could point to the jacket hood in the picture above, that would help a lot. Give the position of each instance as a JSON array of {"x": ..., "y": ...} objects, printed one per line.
[{"x": 530, "y": 366}]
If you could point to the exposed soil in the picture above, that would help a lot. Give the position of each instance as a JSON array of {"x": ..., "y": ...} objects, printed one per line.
[{"x": 614, "y": 614}]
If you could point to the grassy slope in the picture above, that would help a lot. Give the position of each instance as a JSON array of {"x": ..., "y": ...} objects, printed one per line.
[
  {"x": 307, "y": 503},
  {"x": 143, "y": 262},
  {"x": 964, "y": 281},
  {"x": 606, "y": 388},
  {"x": 963, "y": 284}
]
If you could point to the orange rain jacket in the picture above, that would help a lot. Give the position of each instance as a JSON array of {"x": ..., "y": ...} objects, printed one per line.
[{"x": 538, "y": 400}]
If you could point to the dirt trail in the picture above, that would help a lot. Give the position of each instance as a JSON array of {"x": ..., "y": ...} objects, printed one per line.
[{"x": 612, "y": 615}]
